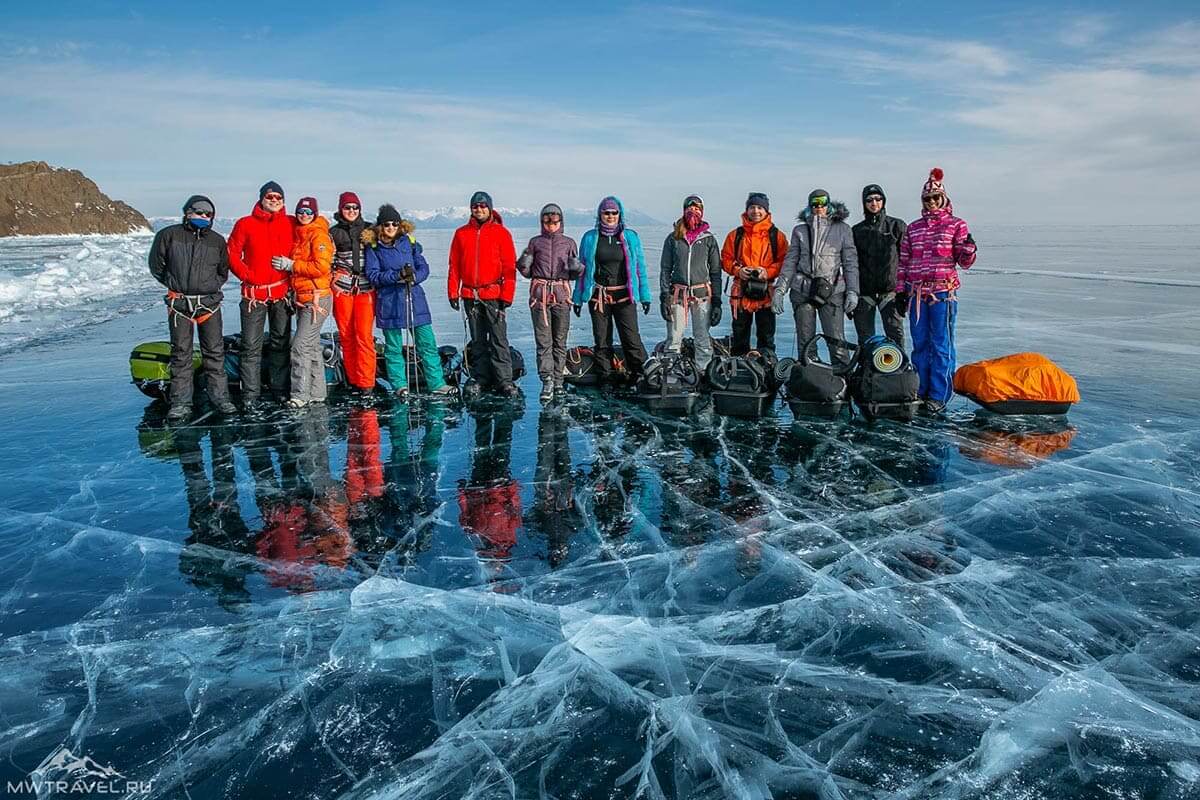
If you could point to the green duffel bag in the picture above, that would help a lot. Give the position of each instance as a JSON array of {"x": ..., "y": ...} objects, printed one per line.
[{"x": 150, "y": 368}]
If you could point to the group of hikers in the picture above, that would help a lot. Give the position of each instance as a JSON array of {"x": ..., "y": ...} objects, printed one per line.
[{"x": 367, "y": 275}]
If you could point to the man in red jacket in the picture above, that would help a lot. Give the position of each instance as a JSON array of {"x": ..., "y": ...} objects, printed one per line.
[
  {"x": 259, "y": 250},
  {"x": 483, "y": 276}
]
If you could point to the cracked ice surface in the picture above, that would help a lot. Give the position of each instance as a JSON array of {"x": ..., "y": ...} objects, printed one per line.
[{"x": 592, "y": 602}]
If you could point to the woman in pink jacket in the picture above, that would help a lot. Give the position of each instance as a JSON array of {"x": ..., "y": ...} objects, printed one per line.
[{"x": 932, "y": 250}]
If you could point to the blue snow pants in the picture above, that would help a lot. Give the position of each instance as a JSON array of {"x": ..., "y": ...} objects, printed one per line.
[{"x": 933, "y": 346}]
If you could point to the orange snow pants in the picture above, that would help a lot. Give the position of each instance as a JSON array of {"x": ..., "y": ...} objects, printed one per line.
[{"x": 355, "y": 317}]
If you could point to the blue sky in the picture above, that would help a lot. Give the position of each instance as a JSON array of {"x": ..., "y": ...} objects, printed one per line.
[{"x": 1037, "y": 115}]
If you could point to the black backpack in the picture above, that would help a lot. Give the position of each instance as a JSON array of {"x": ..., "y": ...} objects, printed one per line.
[
  {"x": 669, "y": 373},
  {"x": 753, "y": 373},
  {"x": 755, "y": 288},
  {"x": 811, "y": 380}
]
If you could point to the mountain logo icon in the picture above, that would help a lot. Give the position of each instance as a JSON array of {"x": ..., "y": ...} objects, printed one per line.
[{"x": 63, "y": 762}]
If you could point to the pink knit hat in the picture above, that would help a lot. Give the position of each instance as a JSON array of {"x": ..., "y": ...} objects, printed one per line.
[{"x": 934, "y": 184}]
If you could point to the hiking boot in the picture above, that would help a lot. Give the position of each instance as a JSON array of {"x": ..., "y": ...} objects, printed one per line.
[
  {"x": 508, "y": 390},
  {"x": 295, "y": 402},
  {"x": 444, "y": 392},
  {"x": 225, "y": 407},
  {"x": 179, "y": 413},
  {"x": 547, "y": 392},
  {"x": 933, "y": 408}
]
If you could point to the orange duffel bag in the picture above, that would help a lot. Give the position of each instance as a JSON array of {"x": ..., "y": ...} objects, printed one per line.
[{"x": 1022, "y": 383}]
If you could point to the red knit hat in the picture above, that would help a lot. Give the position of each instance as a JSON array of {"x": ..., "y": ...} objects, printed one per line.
[
  {"x": 348, "y": 198},
  {"x": 934, "y": 184},
  {"x": 309, "y": 203}
]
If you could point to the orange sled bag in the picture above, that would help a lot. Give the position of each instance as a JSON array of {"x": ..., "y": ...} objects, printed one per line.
[{"x": 1022, "y": 383}]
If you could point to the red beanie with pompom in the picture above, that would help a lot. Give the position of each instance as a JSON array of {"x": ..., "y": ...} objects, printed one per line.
[{"x": 934, "y": 184}]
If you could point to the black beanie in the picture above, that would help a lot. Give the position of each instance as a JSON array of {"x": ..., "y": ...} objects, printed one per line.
[
  {"x": 758, "y": 199},
  {"x": 268, "y": 186},
  {"x": 482, "y": 197},
  {"x": 387, "y": 213}
]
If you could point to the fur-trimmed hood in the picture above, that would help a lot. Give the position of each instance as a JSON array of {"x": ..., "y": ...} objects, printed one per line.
[
  {"x": 371, "y": 237},
  {"x": 837, "y": 212}
]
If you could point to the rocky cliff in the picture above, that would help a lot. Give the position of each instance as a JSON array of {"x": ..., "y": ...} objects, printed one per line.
[{"x": 36, "y": 198}]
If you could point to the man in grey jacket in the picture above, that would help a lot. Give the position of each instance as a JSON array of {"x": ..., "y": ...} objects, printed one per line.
[{"x": 821, "y": 272}]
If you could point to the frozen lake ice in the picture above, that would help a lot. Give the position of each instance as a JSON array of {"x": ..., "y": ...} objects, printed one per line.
[{"x": 589, "y": 601}]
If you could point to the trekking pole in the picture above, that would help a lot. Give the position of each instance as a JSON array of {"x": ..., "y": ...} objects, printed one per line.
[{"x": 410, "y": 368}]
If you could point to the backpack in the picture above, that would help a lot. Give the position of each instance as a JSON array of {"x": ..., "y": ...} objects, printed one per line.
[
  {"x": 756, "y": 288},
  {"x": 884, "y": 384}
]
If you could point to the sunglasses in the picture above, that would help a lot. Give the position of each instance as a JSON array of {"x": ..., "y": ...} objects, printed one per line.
[
  {"x": 610, "y": 213},
  {"x": 552, "y": 218},
  {"x": 390, "y": 225},
  {"x": 819, "y": 201},
  {"x": 874, "y": 199},
  {"x": 196, "y": 213},
  {"x": 350, "y": 208},
  {"x": 305, "y": 212},
  {"x": 272, "y": 196},
  {"x": 930, "y": 198},
  {"x": 478, "y": 205}
]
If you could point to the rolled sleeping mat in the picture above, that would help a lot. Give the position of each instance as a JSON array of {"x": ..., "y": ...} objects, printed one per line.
[{"x": 886, "y": 357}]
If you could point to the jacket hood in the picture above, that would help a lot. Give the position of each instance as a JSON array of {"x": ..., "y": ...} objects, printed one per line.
[
  {"x": 873, "y": 188},
  {"x": 495, "y": 217},
  {"x": 837, "y": 212},
  {"x": 552, "y": 208},
  {"x": 755, "y": 227},
  {"x": 620, "y": 206},
  {"x": 258, "y": 212},
  {"x": 406, "y": 228}
]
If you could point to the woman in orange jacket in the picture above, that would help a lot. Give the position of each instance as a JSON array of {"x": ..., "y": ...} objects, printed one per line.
[
  {"x": 753, "y": 255},
  {"x": 311, "y": 267}
]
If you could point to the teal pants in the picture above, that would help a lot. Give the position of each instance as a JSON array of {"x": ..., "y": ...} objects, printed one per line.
[{"x": 393, "y": 355}]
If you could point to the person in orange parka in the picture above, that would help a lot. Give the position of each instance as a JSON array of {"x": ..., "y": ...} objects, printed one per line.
[
  {"x": 311, "y": 266},
  {"x": 483, "y": 275},
  {"x": 753, "y": 255},
  {"x": 258, "y": 245}
]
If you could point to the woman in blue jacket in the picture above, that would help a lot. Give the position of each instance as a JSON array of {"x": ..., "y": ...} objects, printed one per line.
[
  {"x": 396, "y": 266},
  {"x": 613, "y": 284}
]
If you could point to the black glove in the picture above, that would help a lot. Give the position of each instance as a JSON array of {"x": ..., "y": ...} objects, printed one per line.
[
  {"x": 407, "y": 275},
  {"x": 454, "y": 303},
  {"x": 578, "y": 309},
  {"x": 714, "y": 315},
  {"x": 645, "y": 308},
  {"x": 901, "y": 303},
  {"x": 664, "y": 308},
  {"x": 970, "y": 239}
]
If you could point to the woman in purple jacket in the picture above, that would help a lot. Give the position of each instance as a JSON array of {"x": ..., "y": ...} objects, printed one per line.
[{"x": 551, "y": 262}]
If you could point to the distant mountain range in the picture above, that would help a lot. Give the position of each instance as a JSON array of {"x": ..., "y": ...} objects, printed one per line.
[{"x": 454, "y": 216}]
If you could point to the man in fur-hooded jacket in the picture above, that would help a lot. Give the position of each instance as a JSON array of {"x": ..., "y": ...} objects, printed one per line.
[{"x": 820, "y": 272}]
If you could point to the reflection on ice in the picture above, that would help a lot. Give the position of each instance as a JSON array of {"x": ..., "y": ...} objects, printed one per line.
[{"x": 589, "y": 601}]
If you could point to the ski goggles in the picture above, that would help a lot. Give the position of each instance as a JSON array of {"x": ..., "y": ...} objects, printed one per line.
[
  {"x": 819, "y": 201},
  {"x": 305, "y": 212}
]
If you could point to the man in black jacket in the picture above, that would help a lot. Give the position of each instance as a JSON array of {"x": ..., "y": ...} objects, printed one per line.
[
  {"x": 877, "y": 239},
  {"x": 191, "y": 260}
]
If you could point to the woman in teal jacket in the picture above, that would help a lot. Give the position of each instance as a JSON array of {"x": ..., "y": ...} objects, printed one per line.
[{"x": 613, "y": 284}]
